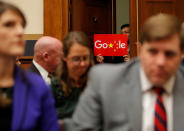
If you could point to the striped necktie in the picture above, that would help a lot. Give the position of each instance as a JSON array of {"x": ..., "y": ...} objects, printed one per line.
[{"x": 160, "y": 116}]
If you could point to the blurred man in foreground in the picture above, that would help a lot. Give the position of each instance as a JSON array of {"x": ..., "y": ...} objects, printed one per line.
[{"x": 145, "y": 94}]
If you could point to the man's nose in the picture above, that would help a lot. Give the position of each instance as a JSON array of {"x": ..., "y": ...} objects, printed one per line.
[{"x": 161, "y": 60}]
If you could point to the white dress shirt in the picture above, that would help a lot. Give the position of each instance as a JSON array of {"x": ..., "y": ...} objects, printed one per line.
[
  {"x": 43, "y": 73},
  {"x": 149, "y": 99}
]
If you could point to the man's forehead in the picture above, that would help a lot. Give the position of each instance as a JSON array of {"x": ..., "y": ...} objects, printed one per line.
[
  {"x": 162, "y": 47},
  {"x": 175, "y": 38},
  {"x": 126, "y": 28}
]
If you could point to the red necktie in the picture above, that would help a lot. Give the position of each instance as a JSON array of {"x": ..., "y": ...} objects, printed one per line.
[{"x": 160, "y": 116}]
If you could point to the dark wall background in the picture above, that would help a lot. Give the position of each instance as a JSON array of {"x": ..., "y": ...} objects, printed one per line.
[{"x": 29, "y": 48}]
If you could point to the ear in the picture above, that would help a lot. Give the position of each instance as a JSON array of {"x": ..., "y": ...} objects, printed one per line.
[{"x": 45, "y": 56}]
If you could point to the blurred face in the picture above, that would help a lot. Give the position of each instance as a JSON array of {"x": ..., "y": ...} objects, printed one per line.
[
  {"x": 54, "y": 58},
  {"x": 126, "y": 30},
  {"x": 78, "y": 60},
  {"x": 11, "y": 34},
  {"x": 160, "y": 59}
]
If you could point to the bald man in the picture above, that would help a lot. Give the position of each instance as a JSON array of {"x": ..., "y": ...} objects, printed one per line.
[{"x": 47, "y": 55}]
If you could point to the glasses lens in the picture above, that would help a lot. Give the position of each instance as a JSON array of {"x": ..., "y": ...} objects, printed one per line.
[{"x": 78, "y": 59}]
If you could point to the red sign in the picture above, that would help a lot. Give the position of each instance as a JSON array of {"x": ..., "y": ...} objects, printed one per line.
[{"x": 110, "y": 44}]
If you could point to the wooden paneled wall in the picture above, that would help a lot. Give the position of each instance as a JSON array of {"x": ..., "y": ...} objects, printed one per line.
[
  {"x": 56, "y": 24},
  {"x": 133, "y": 27},
  {"x": 152, "y": 7},
  {"x": 56, "y": 20},
  {"x": 140, "y": 10}
]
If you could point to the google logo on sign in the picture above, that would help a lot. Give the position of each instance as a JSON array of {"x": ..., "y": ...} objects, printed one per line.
[{"x": 99, "y": 44}]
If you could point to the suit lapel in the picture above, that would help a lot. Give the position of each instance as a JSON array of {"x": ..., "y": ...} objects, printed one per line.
[
  {"x": 178, "y": 103},
  {"x": 33, "y": 68},
  {"x": 135, "y": 99},
  {"x": 18, "y": 100}
]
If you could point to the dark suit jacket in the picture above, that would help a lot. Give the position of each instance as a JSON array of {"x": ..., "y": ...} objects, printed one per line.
[
  {"x": 33, "y": 68},
  {"x": 112, "y": 100}
]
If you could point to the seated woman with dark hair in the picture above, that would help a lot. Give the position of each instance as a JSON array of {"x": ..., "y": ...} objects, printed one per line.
[{"x": 72, "y": 73}]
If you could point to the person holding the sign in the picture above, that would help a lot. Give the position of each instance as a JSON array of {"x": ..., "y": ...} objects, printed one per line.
[
  {"x": 144, "y": 94},
  {"x": 107, "y": 46},
  {"x": 125, "y": 29},
  {"x": 72, "y": 73}
]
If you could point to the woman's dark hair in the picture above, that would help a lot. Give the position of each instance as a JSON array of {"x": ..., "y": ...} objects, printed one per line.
[
  {"x": 6, "y": 6},
  {"x": 66, "y": 82}
]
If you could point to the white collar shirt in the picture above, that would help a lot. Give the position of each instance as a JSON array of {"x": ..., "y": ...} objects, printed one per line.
[
  {"x": 43, "y": 73},
  {"x": 149, "y": 99}
]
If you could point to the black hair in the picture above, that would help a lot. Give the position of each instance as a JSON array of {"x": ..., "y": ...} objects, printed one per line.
[{"x": 125, "y": 25}]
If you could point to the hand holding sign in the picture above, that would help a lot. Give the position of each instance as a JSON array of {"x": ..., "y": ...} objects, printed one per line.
[{"x": 100, "y": 58}]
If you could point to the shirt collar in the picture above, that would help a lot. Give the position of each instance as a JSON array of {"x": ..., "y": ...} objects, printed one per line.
[
  {"x": 146, "y": 85},
  {"x": 42, "y": 71}
]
